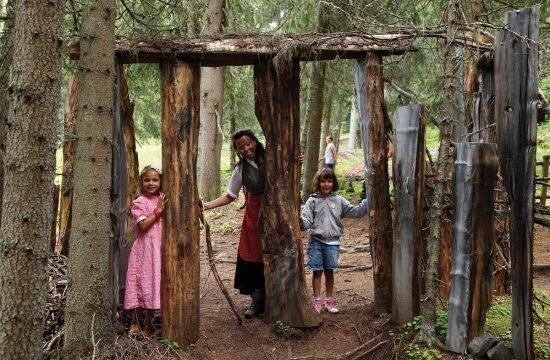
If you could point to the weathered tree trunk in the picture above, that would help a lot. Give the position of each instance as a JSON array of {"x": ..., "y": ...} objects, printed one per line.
[
  {"x": 516, "y": 84},
  {"x": 132, "y": 162},
  {"x": 6, "y": 50},
  {"x": 211, "y": 113},
  {"x": 232, "y": 121},
  {"x": 315, "y": 115},
  {"x": 55, "y": 209},
  {"x": 180, "y": 231},
  {"x": 380, "y": 220},
  {"x": 448, "y": 112},
  {"x": 314, "y": 111},
  {"x": 277, "y": 108},
  {"x": 409, "y": 148},
  {"x": 34, "y": 91},
  {"x": 474, "y": 180},
  {"x": 118, "y": 198},
  {"x": 89, "y": 294},
  {"x": 353, "y": 122},
  {"x": 69, "y": 146},
  {"x": 325, "y": 128}
]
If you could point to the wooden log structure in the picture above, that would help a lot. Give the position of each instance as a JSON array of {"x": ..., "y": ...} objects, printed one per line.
[
  {"x": 380, "y": 220},
  {"x": 277, "y": 92},
  {"x": 119, "y": 211},
  {"x": 516, "y": 85},
  {"x": 409, "y": 148},
  {"x": 69, "y": 148},
  {"x": 474, "y": 179},
  {"x": 180, "y": 231},
  {"x": 243, "y": 49}
]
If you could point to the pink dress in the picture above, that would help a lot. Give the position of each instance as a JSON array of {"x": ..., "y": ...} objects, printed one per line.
[{"x": 143, "y": 277}]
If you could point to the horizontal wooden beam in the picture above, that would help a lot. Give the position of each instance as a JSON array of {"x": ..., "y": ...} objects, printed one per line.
[{"x": 249, "y": 49}]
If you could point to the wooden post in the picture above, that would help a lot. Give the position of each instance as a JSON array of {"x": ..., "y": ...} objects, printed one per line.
[
  {"x": 180, "y": 229},
  {"x": 69, "y": 147},
  {"x": 516, "y": 85},
  {"x": 132, "y": 164},
  {"x": 118, "y": 199},
  {"x": 277, "y": 108},
  {"x": 409, "y": 149},
  {"x": 380, "y": 221},
  {"x": 544, "y": 188},
  {"x": 55, "y": 209},
  {"x": 474, "y": 179}
]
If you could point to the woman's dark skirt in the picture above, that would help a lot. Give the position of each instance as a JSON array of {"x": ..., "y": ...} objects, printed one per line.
[{"x": 249, "y": 276}]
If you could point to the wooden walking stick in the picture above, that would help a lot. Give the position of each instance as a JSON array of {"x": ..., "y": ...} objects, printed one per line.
[{"x": 213, "y": 267}]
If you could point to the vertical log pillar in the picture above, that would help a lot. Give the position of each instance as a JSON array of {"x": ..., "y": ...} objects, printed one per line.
[
  {"x": 277, "y": 108},
  {"x": 474, "y": 180},
  {"x": 69, "y": 147},
  {"x": 409, "y": 147},
  {"x": 118, "y": 198},
  {"x": 380, "y": 220},
  {"x": 180, "y": 229},
  {"x": 516, "y": 84}
]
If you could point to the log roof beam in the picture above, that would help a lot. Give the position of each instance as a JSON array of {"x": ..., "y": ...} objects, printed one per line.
[{"x": 242, "y": 49}]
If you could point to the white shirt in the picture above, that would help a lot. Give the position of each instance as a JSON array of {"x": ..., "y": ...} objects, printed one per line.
[{"x": 236, "y": 181}]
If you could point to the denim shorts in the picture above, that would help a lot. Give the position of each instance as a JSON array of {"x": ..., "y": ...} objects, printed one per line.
[{"x": 321, "y": 256}]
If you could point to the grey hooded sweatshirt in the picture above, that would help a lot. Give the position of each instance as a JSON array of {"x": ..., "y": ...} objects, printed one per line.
[{"x": 321, "y": 215}]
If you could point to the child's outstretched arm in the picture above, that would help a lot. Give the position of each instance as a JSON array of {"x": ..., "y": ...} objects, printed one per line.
[
  {"x": 354, "y": 211},
  {"x": 306, "y": 219}
]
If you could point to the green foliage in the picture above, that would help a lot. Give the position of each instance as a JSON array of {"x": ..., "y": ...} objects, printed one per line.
[
  {"x": 418, "y": 352},
  {"x": 286, "y": 332},
  {"x": 442, "y": 317},
  {"x": 499, "y": 322},
  {"x": 170, "y": 343}
]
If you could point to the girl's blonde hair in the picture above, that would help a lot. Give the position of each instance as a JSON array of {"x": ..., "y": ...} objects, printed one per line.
[
  {"x": 324, "y": 174},
  {"x": 145, "y": 170}
]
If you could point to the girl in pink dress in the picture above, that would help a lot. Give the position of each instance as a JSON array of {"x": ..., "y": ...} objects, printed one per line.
[{"x": 143, "y": 277}]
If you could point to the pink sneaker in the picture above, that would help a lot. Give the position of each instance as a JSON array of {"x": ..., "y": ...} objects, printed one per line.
[
  {"x": 318, "y": 305},
  {"x": 330, "y": 305}
]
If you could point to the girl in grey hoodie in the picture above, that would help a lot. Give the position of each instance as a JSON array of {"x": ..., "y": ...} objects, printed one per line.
[{"x": 322, "y": 215}]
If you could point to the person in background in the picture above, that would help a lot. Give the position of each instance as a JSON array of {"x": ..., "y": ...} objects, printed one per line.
[
  {"x": 143, "y": 278},
  {"x": 322, "y": 214},
  {"x": 330, "y": 154}
]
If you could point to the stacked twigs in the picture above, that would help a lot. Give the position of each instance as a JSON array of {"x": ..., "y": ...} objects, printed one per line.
[{"x": 54, "y": 317}]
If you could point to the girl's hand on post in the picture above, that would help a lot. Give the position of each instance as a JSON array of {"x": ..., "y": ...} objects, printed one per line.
[{"x": 161, "y": 202}]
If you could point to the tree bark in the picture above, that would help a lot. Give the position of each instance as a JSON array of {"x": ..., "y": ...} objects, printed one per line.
[
  {"x": 474, "y": 180},
  {"x": 408, "y": 159},
  {"x": 380, "y": 219},
  {"x": 180, "y": 231},
  {"x": 516, "y": 84},
  {"x": 448, "y": 112},
  {"x": 277, "y": 108},
  {"x": 315, "y": 115},
  {"x": 211, "y": 113},
  {"x": 69, "y": 146},
  {"x": 89, "y": 294},
  {"x": 6, "y": 49},
  {"x": 35, "y": 87}
]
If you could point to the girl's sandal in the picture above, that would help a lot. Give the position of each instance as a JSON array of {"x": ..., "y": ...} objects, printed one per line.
[{"x": 134, "y": 330}]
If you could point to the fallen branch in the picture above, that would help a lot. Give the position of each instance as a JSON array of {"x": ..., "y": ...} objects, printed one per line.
[{"x": 212, "y": 262}]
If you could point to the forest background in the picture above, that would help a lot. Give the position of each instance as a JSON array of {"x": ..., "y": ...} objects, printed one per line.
[{"x": 327, "y": 90}]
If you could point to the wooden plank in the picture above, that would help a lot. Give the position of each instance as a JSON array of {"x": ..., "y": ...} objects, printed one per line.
[
  {"x": 544, "y": 188},
  {"x": 380, "y": 219},
  {"x": 516, "y": 85},
  {"x": 474, "y": 179},
  {"x": 249, "y": 49},
  {"x": 409, "y": 149},
  {"x": 180, "y": 229},
  {"x": 69, "y": 148},
  {"x": 277, "y": 108}
]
